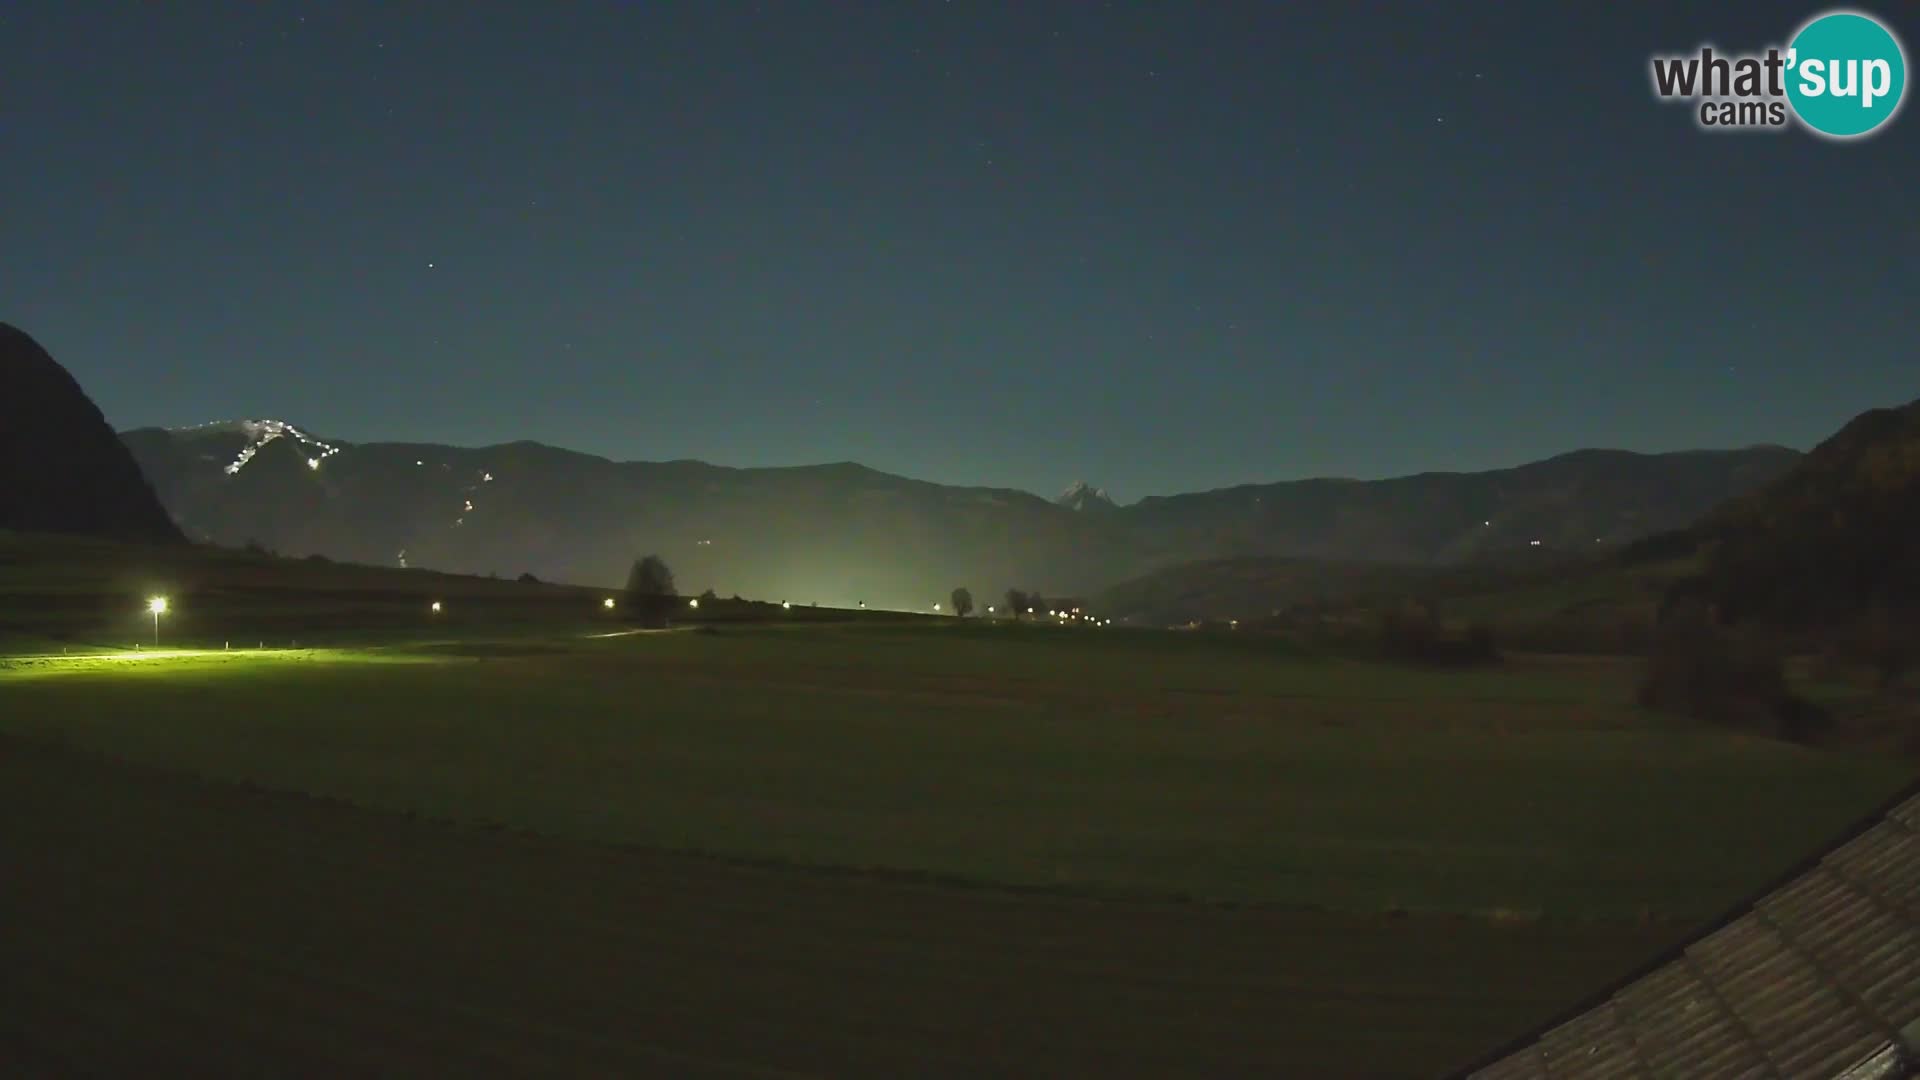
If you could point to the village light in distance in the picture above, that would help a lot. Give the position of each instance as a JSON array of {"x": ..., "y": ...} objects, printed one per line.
[
  {"x": 694, "y": 603},
  {"x": 607, "y": 603},
  {"x": 434, "y": 607}
]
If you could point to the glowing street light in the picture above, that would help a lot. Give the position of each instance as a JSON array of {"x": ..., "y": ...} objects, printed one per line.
[
  {"x": 936, "y": 607},
  {"x": 607, "y": 603},
  {"x": 434, "y": 607},
  {"x": 786, "y": 605},
  {"x": 694, "y": 603},
  {"x": 158, "y": 606}
]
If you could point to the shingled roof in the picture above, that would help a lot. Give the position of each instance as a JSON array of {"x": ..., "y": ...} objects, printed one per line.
[{"x": 1817, "y": 977}]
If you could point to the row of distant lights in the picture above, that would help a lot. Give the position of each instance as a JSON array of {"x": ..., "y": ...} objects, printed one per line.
[
  {"x": 436, "y": 607},
  {"x": 485, "y": 477},
  {"x": 158, "y": 606},
  {"x": 262, "y": 432}
]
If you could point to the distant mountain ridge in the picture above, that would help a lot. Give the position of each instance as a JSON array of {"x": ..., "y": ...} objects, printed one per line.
[
  {"x": 845, "y": 533},
  {"x": 62, "y": 470}
]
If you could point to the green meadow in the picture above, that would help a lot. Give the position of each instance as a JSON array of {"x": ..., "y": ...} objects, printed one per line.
[{"x": 1113, "y": 763}]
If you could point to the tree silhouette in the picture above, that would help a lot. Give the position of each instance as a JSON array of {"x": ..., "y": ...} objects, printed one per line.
[
  {"x": 650, "y": 591},
  {"x": 962, "y": 602}
]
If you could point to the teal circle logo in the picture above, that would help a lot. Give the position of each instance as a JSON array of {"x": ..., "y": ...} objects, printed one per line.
[{"x": 1846, "y": 74}]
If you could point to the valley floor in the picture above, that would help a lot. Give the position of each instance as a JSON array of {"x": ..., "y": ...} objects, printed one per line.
[{"x": 913, "y": 849}]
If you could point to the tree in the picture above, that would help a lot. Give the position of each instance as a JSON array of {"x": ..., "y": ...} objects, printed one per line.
[
  {"x": 962, "y": 602},
  {"x": 1017, "y": 603},
  {"x": 1731, "y": 676},
  {"x": 709, "y": 596},
  {"x": 528, "y": 579},
  {"x": 650, "y": 591}
]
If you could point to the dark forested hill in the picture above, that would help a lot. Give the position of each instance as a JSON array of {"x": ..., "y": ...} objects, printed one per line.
[
  {"x": 62, "y": 470},
  {"x": 1835, "y": 538}
]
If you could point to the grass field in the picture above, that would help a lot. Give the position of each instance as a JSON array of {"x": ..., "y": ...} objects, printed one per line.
[
  {"x": 874, "y": 846},
  {"x": 156, "y": 925},
  {"x": 1101, "y": 761}
]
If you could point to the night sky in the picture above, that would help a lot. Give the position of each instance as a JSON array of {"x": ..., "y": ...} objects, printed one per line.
[{"x": 1161, "y": 246}]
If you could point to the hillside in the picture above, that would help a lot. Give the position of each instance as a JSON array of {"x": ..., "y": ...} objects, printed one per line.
[
  {"x": 1832, "y": 540},
  {"x": 1567, "y": 503},
  {"x": 1523, "y": 534},
  {"x": 1254, "y": 587},
  {"x": 841, "y": 534},
  {"x": 62, "y": 470}
]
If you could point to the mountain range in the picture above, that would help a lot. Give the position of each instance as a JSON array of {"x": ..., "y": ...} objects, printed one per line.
[
  {"x": 837, "y": 534},
  {"x": 844, "y": 533}
]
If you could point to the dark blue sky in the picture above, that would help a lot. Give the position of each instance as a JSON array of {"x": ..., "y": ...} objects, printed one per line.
[{"x": 1162, "y": 246}]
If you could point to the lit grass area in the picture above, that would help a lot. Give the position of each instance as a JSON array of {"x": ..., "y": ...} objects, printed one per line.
[
  {"x": 181, "y": 662},
  {"x": 1087, "y": 760}
]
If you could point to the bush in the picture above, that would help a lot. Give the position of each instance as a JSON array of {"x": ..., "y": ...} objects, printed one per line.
[
  {"x": 1883, "y": 641},
  {"x": 1730, "y": 678},
  {"x": 529, "y": 579},
  {"x": 1415, "y": 632}
]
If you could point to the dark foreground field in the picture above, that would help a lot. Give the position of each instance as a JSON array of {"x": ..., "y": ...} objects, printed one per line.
[
  {"x": 155, "y": 924},
  {"x": 923, "y": 848}
]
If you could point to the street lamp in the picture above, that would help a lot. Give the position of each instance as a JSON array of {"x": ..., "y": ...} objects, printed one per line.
[
  {"x": 607, "y": 603},
  {"x": 434, "y": 607},
  {"x": 158, "y": 606},
  {"x": 694, "y": 603}
]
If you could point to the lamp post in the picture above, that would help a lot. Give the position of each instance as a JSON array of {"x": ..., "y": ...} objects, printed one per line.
[{"x": 158, "y": 606}]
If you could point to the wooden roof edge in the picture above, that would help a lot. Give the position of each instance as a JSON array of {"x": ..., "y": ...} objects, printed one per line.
[{"x": 1675, "y": 952}]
